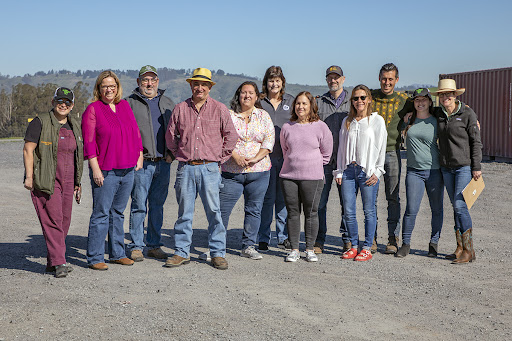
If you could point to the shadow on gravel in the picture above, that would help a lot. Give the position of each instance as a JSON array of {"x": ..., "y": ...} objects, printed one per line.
[{"x": 25, "y": 256}]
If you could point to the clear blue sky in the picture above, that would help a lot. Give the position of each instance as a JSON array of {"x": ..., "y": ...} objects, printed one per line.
[{"x": 423, "y": 38}]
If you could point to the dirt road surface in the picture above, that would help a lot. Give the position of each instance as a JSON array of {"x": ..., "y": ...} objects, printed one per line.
[{"x": 414, "y": 298}]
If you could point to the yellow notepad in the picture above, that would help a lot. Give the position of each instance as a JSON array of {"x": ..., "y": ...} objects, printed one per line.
[{"x": 473, "y": 190}]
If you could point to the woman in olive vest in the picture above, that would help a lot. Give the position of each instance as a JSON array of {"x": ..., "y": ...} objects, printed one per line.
[{"x": 53, "y": 158}]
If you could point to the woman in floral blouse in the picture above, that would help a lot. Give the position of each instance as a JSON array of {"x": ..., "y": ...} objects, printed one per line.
[{"x": 248, "y": 169}]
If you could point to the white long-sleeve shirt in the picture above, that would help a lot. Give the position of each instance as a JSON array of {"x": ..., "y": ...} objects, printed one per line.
[{"x": 363, "y": 143}]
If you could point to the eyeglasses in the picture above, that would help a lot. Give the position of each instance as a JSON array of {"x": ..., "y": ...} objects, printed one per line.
[
  {"x": 67, "y": 102},
  {"x": 355, "y": 99},
  {"x": 147, "y": 80},
  {"x": 447, "y": 94},
  {"x": 110, "y": 87}
]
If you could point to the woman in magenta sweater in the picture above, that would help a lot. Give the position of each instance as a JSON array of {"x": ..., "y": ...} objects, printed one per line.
[
  {"x": 113, "y": 146},
  {"x": 307, "y": 146}
]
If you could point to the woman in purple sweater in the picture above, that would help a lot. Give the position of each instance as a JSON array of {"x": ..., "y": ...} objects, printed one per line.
[
  {"x": 307, "y": 146},
  {"x": 113, "y": 146}
]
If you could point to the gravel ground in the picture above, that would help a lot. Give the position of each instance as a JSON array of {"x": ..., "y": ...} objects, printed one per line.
[{"x": 386, "y": 298}]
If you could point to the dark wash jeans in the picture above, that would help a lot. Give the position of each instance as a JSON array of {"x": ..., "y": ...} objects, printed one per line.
[
  {"x": 322, "y": 207},
  {"x": 253, "y": 186},
  {"x": 273, "y": 198},
  {"x": 302, "y": 195},
  {"x": 393, "y": 169}
]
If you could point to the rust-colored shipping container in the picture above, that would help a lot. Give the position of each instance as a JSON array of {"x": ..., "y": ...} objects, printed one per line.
[{"x": 489, "y": 94}]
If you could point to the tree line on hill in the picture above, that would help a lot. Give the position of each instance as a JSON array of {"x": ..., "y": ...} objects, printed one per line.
[
  {"x": 25, "y": 101},
  {"x": 23, "y": 97}
]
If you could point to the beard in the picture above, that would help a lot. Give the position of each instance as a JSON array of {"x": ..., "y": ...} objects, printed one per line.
[{"x": 334, "y": 87}]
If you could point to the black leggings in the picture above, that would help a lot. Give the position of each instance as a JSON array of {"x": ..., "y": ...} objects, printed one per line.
[{"x": 302, "y": 194}]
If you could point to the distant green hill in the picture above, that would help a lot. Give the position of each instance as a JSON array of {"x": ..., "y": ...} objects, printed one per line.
[{"x": 174, "y": 81}]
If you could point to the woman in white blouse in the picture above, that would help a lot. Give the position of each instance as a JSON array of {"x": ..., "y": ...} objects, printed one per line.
[
  {"x": 248, "y": 169},
  {"x": 361, "y": 156}
]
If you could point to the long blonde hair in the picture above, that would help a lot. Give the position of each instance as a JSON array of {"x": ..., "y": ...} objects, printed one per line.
[{"x": 352, "y": 114}]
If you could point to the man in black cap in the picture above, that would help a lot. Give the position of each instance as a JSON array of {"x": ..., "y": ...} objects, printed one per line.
[
  {"x": 152, "y": 111},
  {"x": 333, "y": 107}
]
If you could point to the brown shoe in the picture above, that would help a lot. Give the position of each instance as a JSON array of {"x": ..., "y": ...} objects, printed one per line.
[
  {"x": 374, "y": 247},
  {"x": 318, "y": 248},
  {"x": 157, "y": 253},
  {"x": 176, "y": 261},
  {"x": 348, "y": 245},
  {"x": 219, "y": 263},
  {"x": 122, "y": 261},
  {"x": 99, "y": 266},
  {"x": 137, "y": 255},
  {"x": 392, "y": 246}
]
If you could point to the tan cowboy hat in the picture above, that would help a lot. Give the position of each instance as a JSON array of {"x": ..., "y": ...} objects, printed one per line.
[
  {"x": 201, "y": 74},
  {"x": 448, "y": 85}
]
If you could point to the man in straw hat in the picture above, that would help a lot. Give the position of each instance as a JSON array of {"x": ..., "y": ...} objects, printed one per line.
[
  {"x": 392, "y": 106},
  {"x": 201, "y": 136}
]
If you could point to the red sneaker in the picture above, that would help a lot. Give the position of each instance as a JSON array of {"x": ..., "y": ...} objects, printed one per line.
[
  {"x": 350, "y": 254},
  {"x": 364, "y": 255}
]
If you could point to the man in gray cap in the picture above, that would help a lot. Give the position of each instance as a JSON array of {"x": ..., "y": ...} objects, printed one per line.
[
  {"x": 152, "y": 111},
  {"x": 333, "y": 107}
]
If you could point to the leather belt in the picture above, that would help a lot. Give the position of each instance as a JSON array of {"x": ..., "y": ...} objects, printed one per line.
[
  {"x": 154, "y": 159},
  {"x": 198, "y": 162}
]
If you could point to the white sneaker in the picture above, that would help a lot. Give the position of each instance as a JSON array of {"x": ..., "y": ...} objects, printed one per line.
[
  {"x": 250, "y": 252},
  {"x": 311, "y": 256},
  {"x": 205, "y": 256},
  {"x": 293, "y": 256}
]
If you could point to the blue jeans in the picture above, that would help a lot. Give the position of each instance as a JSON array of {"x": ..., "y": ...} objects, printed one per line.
[
  {"x": 108, "y": 204},
  {"x": 273, "y": 196},
  {"x": 322, "y": 207},
  {"x": 416, "y": 181},
  {"x": 253, "y": 186},
  {"x": 455, "y": 180},
  {"x": 393, "y": 169},
  {"x": 190, "y": 181},
  {"x": 150, "y": 188},
  {"x": 354, "y": 179}
]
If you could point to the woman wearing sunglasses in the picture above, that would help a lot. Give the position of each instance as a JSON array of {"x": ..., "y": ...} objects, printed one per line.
[
  {"x": 53, "y": 158},
  {"x": 113, "y": 146},
  {"x": 361, "y": 156}
]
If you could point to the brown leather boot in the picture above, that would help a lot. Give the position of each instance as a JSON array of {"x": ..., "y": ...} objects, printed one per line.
[
  {"x": 458, "y": 250},
  {"x": 467, "y": 252},
  {"x": 392, "y": 246}
]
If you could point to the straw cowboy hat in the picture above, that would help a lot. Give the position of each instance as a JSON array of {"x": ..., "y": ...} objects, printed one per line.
[
  {"x": 448, "y": 85},
  {"x": 201, "y": 74}
]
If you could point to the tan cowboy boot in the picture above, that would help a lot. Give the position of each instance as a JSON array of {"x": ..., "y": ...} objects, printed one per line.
[{"x": 458, "y": 250}]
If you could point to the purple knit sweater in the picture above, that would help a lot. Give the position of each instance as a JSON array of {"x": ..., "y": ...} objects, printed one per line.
[{"x": 306, "y": 148}]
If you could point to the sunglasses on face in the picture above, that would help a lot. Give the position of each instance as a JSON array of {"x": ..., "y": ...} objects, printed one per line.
[
  {"x": 355, "y": 99},
  {"x": 65, "y": 101}
]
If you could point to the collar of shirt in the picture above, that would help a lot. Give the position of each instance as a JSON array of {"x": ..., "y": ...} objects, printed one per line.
[
  {"x": 338, "y": 101},
  {"x": 454, "y": 112}
]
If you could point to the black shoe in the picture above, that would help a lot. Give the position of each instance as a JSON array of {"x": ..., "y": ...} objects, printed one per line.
[
  {"x": 262, "y": 246},
  {"x": 61, "y": 271},
  {"x": 432, "y": 250},
  {"x": 403, "y": 251},
  {"x": 52, "y": 268},
  {"x": 285, "y": 245}
]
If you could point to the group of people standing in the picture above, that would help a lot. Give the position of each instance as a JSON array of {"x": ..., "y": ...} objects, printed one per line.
[{"x": 281, "y": 152}]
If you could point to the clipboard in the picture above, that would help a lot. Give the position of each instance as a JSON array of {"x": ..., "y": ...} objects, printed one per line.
[{"x": 473, "y": 190}]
